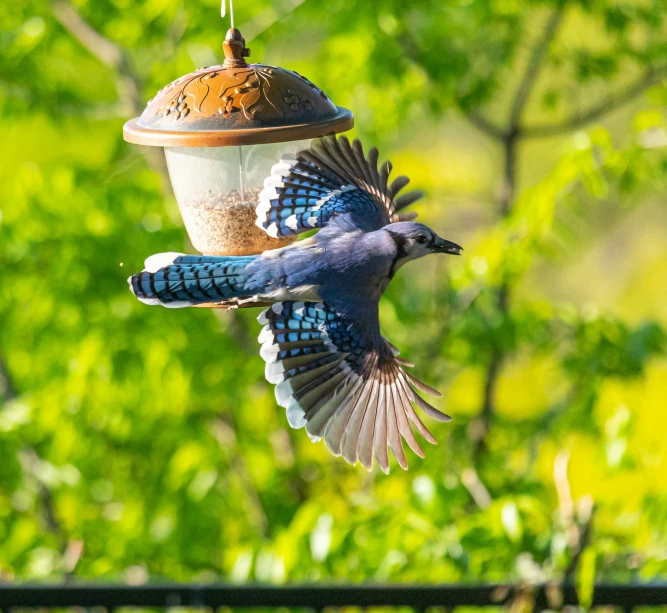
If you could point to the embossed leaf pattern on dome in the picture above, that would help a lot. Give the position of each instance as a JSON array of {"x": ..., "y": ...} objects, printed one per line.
[
  {"x": 309, "y": 83},
  {"x": 198, "y": 90},
  {"x": 252, "y": 91}
]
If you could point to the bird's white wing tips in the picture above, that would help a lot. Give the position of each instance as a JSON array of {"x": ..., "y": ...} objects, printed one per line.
[
  {"x": 160, "y": 260},
  {"x": 358, "y": 399}
]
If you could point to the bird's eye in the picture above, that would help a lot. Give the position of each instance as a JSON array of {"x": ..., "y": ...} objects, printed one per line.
[{"x": 421, "y": 239}]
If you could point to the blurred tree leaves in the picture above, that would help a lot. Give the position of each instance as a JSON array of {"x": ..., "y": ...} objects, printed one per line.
[{"x": 151, "y": 437}]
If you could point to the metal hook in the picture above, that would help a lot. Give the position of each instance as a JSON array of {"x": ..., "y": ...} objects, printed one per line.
[{"x": 223, "y": 10}]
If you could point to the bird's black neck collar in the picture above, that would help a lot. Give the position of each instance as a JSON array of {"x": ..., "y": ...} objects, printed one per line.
[{"x": 401, "y": 253}]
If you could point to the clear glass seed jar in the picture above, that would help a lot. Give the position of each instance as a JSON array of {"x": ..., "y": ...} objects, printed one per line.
[
  {"x": 223, "y": 128},
  {"x": 217, "y": 190}
]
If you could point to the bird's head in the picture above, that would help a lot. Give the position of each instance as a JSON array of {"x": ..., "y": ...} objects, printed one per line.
[{"x": 415, "y": 240}]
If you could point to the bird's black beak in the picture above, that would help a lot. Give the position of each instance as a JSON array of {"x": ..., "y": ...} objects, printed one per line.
[{"x": 442, "y": 246}]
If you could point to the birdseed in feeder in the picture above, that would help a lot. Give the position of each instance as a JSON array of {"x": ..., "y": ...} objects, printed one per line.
[{"x": 224, "y": 223}]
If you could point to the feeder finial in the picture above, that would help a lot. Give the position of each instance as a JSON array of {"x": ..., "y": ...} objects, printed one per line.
[{"x": 235, "y": 50}]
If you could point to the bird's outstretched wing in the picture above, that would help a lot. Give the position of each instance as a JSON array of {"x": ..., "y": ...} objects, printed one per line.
[
  {"x": 331, "y": 178},
  {"x": 354, "y": 395}
]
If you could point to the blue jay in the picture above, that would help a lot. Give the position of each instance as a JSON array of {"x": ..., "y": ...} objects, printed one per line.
[{"x": 335, "y": 374}]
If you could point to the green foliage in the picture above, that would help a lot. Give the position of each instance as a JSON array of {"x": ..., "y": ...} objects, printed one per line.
[{"x": 140, "y": 443}]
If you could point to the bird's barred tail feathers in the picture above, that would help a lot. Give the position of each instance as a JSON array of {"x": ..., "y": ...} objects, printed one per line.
[{"x": 177, "y": 280}]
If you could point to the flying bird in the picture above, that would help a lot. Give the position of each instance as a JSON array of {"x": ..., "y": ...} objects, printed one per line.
[{"x": 335, "y": 374}]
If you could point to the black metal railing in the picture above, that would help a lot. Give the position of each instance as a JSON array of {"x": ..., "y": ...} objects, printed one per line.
[{"x": 318, "y": 597}]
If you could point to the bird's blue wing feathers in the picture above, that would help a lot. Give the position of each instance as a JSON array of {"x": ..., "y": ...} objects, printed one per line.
[
  {"x": 340, "y": 385},
  {"x": 331, "y": 178}
]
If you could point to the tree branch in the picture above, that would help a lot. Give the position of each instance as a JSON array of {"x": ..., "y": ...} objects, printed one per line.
[
  {"x": 476, "y": 488},
  {"x": 265, "y": 19},
  {"x": 485, "y": 125},
  {"x": 29, "y": 461},
  {"x": 652, "y": 76},
  {"x": 481, "y": 431},
  {"x": 585, "y": 529},
  {"x": 102, "y": 48},
  {"x": 534, "y": 67},
  {"x": 509, "y": 141},
  {"x": 524, "y": 89},
  {"x": 225, "y": 433},
  {"x": 107, "y": 52},
  {"x": 413, "y": 52},
  {"x": 129, "y": 84},
  {"x": 7, "y": 387},
  {"x": 578, "y": 529}
]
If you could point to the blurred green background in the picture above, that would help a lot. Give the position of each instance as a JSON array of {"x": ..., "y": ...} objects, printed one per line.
[{"x": 141, "y": 444}]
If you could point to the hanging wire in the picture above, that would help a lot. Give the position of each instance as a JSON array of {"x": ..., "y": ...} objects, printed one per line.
[{"x": 223, "y": 10}]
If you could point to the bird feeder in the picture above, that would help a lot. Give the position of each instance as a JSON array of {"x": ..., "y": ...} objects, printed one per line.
[{"x": 222, "y": 129}]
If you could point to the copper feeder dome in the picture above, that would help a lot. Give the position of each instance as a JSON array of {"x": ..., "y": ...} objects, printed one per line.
[{"x": 223, "y": 128}]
